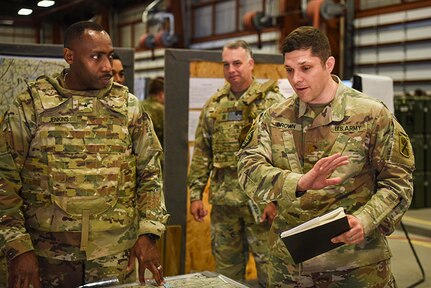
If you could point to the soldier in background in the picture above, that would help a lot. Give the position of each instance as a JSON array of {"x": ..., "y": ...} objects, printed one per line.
[
  {"x": 154, "y": 105},
  {"x": 3, "y": 270},
  {"x": 326, "y": 147},
  {"x": 118, "y": 69},
  {"x": 225, "y": 118},
  {"x": 80, "y": 177}
]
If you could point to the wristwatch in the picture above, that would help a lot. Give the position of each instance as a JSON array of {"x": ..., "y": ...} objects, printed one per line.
[
  {"x": 300, "y": 193},
  {"x": 152, "y": 236}
]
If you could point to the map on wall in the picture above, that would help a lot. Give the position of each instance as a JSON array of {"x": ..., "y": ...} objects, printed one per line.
[{"x": 14, "y": 71}]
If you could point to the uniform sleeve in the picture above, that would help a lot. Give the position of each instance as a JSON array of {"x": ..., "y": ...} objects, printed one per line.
[
  {"x": 392, "y": 157},
  {"x": 150, "y": 197},
  {"x": 15, "y": 138},
  {"x": 272, "y": 97},
  {"x": 259, "y": 178},
  {"x": 202, "y": 160}
]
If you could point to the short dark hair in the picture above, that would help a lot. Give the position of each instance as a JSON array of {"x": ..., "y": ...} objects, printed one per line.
[
  {"x": 156, "y": 86},
  {"x": 239, "y": 44},
  {"x": 76, "y": 30},
  {"x": 306, "y": 37}
]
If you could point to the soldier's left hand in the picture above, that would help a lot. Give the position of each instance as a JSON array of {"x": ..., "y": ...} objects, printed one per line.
[
  {"x": 269, "y": 213},
  {"x": 317, "y": 177},
  {"x": 146, "y": 252},
  {"x": 355, "y": 235}
]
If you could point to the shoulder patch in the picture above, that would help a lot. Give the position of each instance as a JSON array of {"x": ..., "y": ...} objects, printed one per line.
[
  {"x": 404, "y": 145},
  {"x": 402, "y": 150},
  {"x": 249, "y": 136}
]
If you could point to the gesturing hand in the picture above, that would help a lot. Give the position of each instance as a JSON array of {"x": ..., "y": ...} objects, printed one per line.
[{"x": 317, "y": 177}]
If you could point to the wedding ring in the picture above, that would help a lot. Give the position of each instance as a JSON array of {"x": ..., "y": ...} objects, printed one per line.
[{"x": 159, "y": 267}]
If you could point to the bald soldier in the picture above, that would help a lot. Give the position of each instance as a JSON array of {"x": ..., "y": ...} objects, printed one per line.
[
  {"x": 80, "y": 177},
  {"x": 328, "y": 146}
]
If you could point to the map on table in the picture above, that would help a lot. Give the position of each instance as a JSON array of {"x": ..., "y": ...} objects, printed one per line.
[{"x": 195, "y": 280}]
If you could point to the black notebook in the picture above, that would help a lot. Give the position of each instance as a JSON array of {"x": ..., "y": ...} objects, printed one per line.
[{"x": 313, "y": 237}]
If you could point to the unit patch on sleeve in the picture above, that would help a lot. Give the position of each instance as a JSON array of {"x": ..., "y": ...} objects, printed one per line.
[
  {"x": 249, "y": 136},
  {"x": 404, "y": 145}
]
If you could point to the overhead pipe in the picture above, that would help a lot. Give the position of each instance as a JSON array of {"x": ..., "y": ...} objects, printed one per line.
[
  {"x": 325, "y": 8},
  {"x": 162, "y": 38},
  {"x": 257, "y": 21},
  {"x": 147, "y": 11}
]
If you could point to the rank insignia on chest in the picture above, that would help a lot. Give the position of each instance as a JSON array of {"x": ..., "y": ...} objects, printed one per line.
[
  {"x": 234, "y": 116},
  {"x": 83, "y": 104}
]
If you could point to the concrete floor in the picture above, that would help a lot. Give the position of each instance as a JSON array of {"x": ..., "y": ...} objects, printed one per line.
[{"x": 404, "y": 264}]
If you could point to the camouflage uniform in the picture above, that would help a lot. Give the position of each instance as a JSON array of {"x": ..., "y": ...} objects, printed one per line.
[
  {"x": 80, "y": 173},
  {"x": 3, "y": 270},
  {"x": 286, "y": 142},
  {"x": 156, "y": 111},
  {"x": 222, "y": 121}
]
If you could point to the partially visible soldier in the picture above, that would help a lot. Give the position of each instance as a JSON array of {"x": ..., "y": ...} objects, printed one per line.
[
  {"x": 154, "y": 105},
  {"x": 80, "y": 179},
  {"x": 118, "y": 69},
  {"x": 237, "y": 223},
  {"x": 3, "y": 270},
  {"x": 329, "y": 146}
]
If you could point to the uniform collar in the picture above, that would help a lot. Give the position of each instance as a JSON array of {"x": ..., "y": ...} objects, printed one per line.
[
  {"x": 336, "y": 109},
  {"x": 59, "y": 85},
  {"x": 247, "y": 97}
]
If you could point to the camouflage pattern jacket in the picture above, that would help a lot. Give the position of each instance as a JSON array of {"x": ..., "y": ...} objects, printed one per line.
[
  {"x": 79, "y": 172},
  {"x": 376, "y": 184},
  {"x": 156, "y": 111},
  {"x": 222, "y": 121}
]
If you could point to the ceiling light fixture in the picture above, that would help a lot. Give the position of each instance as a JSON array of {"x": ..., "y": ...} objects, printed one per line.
[
  {"x": 25, "y": 11},
  {"x": 45, "y": 3},
  {"x": 6, "y": 22}
]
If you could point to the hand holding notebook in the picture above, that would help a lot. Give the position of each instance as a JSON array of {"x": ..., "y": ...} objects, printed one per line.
[{"x": 313, "y": 237}]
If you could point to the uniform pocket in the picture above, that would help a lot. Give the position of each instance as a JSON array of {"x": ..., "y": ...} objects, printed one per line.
[{"x": 81, "y": 181}]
